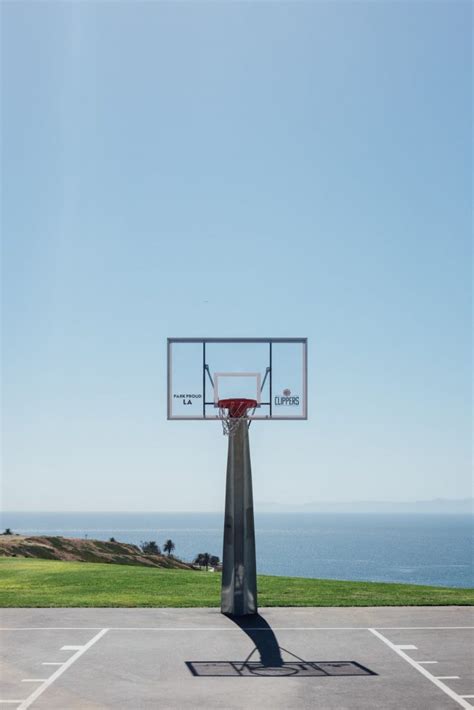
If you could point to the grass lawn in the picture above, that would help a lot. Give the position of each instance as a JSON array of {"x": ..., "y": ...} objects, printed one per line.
[{"x": 50, "y": 583}]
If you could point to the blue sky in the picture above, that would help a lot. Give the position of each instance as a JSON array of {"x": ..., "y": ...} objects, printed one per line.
[{"x": 235, "y": 169}]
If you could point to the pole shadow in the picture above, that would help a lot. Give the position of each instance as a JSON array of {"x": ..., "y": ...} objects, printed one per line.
[
  {"x": 261, "y": 634},
  {"x": 271, "y": 662}
]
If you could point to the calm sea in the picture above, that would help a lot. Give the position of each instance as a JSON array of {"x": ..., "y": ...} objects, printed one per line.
[{"x": 418, "y": 549}]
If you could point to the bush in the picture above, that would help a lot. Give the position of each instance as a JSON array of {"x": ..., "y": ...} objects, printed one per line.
[
  {"x": 150, "y": 548},
  {"x": 203, "y": 559}
]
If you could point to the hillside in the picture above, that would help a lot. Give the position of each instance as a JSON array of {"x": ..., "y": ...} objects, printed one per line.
[{"x": 78, "y": 550}]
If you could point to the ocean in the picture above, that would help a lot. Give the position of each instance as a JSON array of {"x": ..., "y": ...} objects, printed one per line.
[{"x": 417, "y": 549}]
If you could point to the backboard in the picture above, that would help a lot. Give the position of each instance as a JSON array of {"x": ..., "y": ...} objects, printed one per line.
[{"x": 272, "y": 371}]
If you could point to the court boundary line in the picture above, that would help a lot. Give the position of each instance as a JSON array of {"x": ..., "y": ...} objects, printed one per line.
[
  {"x": 435, "y": 680},
  {"x": 229, "y": 628},
  {"x": 67, "y": 664}
]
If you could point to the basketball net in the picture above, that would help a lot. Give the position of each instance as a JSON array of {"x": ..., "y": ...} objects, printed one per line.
[
  {"x": 233, "y": 411},
  {"x": 230, "y": 424}
]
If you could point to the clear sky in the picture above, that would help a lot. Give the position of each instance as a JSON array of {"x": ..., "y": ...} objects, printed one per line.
[{"x": 235, "y": 169}]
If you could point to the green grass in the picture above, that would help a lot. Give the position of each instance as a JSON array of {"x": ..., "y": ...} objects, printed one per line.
[{"x": 48, "y": 583}]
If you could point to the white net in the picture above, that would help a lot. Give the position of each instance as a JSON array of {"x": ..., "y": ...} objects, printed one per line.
[{"x": 230, "y": 424}]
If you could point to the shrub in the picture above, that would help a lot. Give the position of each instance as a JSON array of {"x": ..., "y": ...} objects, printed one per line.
[{"x": 150, "y": 548}]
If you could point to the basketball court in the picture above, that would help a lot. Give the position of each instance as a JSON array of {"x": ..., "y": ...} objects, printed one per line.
[
  {"x": 288, "y": 658},
  {"x": 340, "y": 658}
]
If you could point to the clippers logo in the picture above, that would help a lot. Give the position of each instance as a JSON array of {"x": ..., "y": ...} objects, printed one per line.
[{"x": 287, "y": 399}]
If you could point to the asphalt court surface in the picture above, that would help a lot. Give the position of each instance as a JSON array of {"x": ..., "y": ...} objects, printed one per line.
[{"x": 332, "y": 659}]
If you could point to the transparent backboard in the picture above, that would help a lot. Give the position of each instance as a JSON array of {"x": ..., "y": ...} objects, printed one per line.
[{"x": 272, "y": 371}]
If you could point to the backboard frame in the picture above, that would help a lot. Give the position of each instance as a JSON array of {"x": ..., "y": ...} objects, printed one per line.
[{"x": 206, "y": 376}]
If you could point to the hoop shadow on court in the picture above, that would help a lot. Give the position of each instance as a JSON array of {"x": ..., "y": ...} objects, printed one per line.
[{"x": 266, "y": 660}]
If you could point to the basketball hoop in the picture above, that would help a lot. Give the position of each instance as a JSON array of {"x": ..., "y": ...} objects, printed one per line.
[{"x": 233, "y": 411}]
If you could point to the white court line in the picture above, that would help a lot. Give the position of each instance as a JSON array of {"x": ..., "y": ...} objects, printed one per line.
[
  {"x": 425, "y": 663},
  {"x": 448, "y": 677},
  {"x": 407, "y": 647},
  {"x": 71, "y": 648},
  {"x": 49, "y": 663},
  {"x": 33, "y": 680},
  {"x": 442, "y": 686},
  {"x": 225, "y": 628},
  {"x": 31, "y": 699},
  {"x": 11, "y": 701},
  {"x": 418, "y": 628}
]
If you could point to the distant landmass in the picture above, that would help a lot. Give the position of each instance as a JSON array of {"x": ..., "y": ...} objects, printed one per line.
[{"x": 464, "y": 506}]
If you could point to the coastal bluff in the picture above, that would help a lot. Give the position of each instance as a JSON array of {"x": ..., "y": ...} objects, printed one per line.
[{"x": 83, "y": 550}]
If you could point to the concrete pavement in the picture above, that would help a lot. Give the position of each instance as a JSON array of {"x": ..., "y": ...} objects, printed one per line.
[{"x": 323, "y": 658}]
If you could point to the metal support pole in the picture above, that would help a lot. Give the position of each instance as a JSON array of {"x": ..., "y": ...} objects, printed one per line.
[{"x": 239, "y": 571}]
